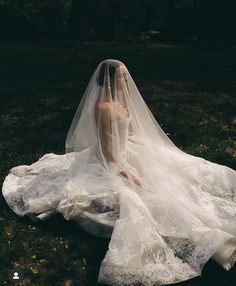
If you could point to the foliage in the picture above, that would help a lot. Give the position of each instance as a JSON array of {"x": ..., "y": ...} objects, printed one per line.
[{"x": 47, "y": 16}]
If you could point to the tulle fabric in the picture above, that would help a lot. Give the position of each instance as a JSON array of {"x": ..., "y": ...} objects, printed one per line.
[
  {"x": 161, "y": 231},
  {"x": 157, "y": 237}
]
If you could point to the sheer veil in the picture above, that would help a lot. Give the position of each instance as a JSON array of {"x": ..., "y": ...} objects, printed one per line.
[
  {"x": 110, "y": 95},
  {"x": 159, "y": 198}
]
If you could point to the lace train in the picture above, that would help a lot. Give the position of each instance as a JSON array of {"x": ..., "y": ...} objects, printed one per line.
[
  {"x": 139, "y": 253},
  {"x": 159, "y": 235}
]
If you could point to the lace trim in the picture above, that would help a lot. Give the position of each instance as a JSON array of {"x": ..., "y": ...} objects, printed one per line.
[
  {"x": 230, "y": 261},
  {"x": 132, "y": 275},
  {"x": 217, "y": 190},
  {"x": 16, "y": 203}
]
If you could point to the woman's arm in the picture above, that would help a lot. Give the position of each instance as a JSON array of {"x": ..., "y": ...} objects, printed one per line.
[
  {"x": 106, "y": 138},
  {"x": 106, "y": 132}
]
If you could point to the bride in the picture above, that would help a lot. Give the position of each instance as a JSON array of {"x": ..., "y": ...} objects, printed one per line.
[{"x": 166, "y": 212}]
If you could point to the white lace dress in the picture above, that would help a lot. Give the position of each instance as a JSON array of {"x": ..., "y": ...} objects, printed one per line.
[{"x": 157, "y": 237}]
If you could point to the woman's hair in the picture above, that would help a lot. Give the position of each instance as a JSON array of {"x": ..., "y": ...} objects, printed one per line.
[{"x": 112, "y": 66}]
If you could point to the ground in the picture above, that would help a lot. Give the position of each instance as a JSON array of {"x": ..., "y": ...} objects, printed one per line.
[{"x": 191, "y": 92}]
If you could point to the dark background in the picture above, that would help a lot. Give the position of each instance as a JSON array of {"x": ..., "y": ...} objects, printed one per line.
[
  {"x": 89, "y": 20},
  {"x": 181, "y": 55}
]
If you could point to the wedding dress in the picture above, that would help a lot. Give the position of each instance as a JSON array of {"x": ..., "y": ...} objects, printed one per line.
[{"x": 163, "y": 229}]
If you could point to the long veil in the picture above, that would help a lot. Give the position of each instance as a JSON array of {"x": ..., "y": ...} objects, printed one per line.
[
  {"x": 174, "y": 210},
  {"x": 110, "y": 95}
]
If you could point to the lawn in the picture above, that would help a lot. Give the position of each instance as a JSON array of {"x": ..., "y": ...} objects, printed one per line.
[{"x": 191, "y": 91}]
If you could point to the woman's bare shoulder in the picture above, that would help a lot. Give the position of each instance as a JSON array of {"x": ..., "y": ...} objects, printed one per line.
[
  {"x": 104, "y": 106},
  {"x": 105, "y": 112}
]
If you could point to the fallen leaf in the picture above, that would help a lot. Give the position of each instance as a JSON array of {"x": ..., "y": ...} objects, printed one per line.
[{"x": 34, "y": 270}]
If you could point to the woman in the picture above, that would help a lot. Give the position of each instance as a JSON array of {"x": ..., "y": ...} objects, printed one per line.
[{"x": 167, "y": 212}]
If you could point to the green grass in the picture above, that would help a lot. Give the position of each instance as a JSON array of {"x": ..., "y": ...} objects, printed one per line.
[{"x": 191, "y": 92}]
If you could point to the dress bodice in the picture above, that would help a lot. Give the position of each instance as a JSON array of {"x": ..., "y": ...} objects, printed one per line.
[{"x": 123, "y": 127}]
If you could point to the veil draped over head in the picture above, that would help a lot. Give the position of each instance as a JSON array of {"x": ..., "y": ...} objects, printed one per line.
[
  {"x": 158, "y": 199},
  {"x": 111, "y": 97}
]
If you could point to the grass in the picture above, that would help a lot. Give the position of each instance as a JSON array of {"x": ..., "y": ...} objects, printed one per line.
[{"x": 191, "y": 92}]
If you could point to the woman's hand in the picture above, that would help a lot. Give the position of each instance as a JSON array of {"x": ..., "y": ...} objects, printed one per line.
[
  {"x": 134, "y": 140},
  {"x": 137, "y": 182},
  {"x": 126, "y": 175}
]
